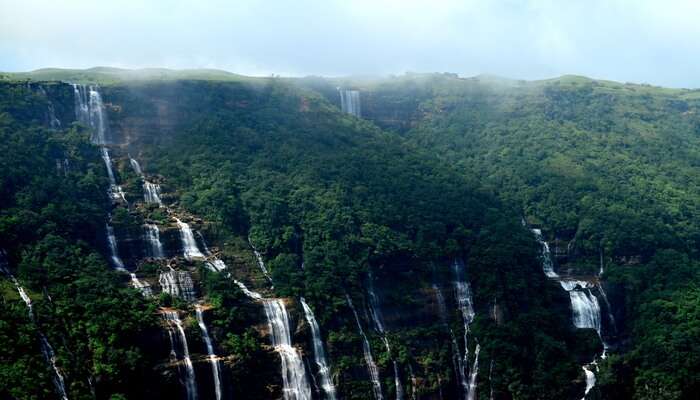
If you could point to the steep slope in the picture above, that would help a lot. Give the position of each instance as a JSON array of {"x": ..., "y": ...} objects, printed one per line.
[{"x": 609, "y": 172}]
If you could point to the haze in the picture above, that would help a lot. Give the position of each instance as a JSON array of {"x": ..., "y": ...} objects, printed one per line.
[{"x": 654, "y": 42}]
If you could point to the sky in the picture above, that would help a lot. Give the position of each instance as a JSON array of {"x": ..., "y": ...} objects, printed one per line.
[{"x": 642, "y": 41}]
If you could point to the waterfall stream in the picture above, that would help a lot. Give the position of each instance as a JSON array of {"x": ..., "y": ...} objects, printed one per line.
[
  {"x": 46, "y": 348},
  {"x": 175, "y": 329},
  {"x": 378, "y": 319},
  {"x": 457, "y": 361},
  {"x": 259, "y": 258},
  {"x": 145, "y": 288},
  {"x": 114, "y": 252},
  {"x": 585, "y": 308},
  {"x": 151, "y": 193},
  {"x": 350, "y": 101},
  {"x": 463, "y": 296},
  {"x": 324, "y": 369},
  {"x": 152, "y": 238},
  {"x": 177, "y": 283},
  {"x": 296, "y": 385},
  {"x": 213, "y": 359},
  {"x": 367, "y": 350},
  {"x": 189, "y": 245}
]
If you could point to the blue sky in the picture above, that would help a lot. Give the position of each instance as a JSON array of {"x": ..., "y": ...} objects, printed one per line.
[{"x": 645, "y": 41}]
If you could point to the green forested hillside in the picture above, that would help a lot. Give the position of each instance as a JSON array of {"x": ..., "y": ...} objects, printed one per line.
[
  {"x": 438, "y": 169},
  {"x": 610, "y": 171}
]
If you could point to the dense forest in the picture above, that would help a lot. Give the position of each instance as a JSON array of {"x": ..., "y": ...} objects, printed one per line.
[{"x": 380, "y": 222}]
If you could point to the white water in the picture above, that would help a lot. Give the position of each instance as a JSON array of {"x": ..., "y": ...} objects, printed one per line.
[
  {"x": 350, "y": 101},
  {"x": 213, "y": 359},
  {"x": 296, "y": 384},
  {"x": 376, "y": 313},
  {"x": 177, "y": 283},
  {"x": 144, "y": 287},
  {"x": 151, "y": 193},
  {"x": 115, "y": 191},
  {"x": 457, "y": 361},
  {"x": 114, "y": 252},
  {"x": 367, "y": 350},
  {"x": 89, "y": 111},
  {"x": 215, "y": 265},
  {"x": 248, "y": 292},
  {"x": 46, "y": 348},
  {"x": 463, "y": 296},
  {"x": 584, "y": 305},
  {"x": 473, "y": 374},
  {"x": 135, "y": 166},
  {"x": 261, "y": 264},
  {"x": 189, "y": 245},
  {"x": 324, "y": 369},
  {"x": 546, "y": 256},
  {"x": 590, "y": 380},
  {"x": 174, "y": 323},
  {"x": 152, "y": 237}
]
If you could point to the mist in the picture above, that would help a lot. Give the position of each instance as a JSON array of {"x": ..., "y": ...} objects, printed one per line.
[{"x": 656, "y": 42}]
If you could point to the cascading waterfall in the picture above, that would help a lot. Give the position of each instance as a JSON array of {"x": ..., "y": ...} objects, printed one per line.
[
  {"x": 546, "y": 256},
  {"x": 215, "y": 265},
  {"x": 89, "y": 111},
  {"x": 376, "y": 313},
  {"x": 367, "y": 350},
  {"x": 114, "y": 252},
  {"x": 463, "y": 295},
  {"x": 324, "y": 369},
  {"x": 457, "y": 361},
  {"x": 115, "y": 191},
  {"x": 259, "y": 258},
  {"x": 213, "y": 359},
  {"x": 152, "y": 237},
  {"x": 144, "y": 287},
  {"x": 584, "y": 304},
  {"x": 46, "y": 348},
  {"x": 177, "y": 283},
  {"x": 175, "y": 326},
  {"x": 189, "y": 245},
  {"x": 350, "y": 101},
  {"x": 296, "y": 384},
  {"x": 585, "y": 307},
  {"x": 135, "y": 166},
  {"x": 151, "y": 193}
]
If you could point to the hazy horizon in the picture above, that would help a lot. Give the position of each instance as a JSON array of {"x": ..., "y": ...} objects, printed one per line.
[{"x": 648, "y": 41}]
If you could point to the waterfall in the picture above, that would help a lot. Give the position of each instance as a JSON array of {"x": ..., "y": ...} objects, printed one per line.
[
  {"x": 457, "y": 361},
  {"x": 115, "y": 191},
  {"x": 175, "y": 326},
  {"x": 261, "y": 264},
  {"x": 324, "y": 369},
  {"x": 135, "y": 166},
  {"x": 114, "y": 252},
  {"x": 177, "y": 283},
  {"x": 151, "y": 193},
  {"x": 89, "y": 111},
  {"x": 378, "y": 319},
  {"x": 608, "y": 307},
  {"x": 248, "y": 292},
  {"x": 473, "y": 374},
  {"x": 215, "y": 265},
  {"x": 144, "y": 287},
  {"x": 204, "y": 243},
  {"x": 152, "y": 237},
  {"x": 546, "y": 256},
  {"x": 584, "y": 305},
  {"x": 590, "y": 380},
  {"x": 463, "y": 295},
  {"x": 213, "y": 359},
  {"x": 350, "y": 101},
  {"x": 367, "y": 350},
  {"x": 296, "y": 385},
  {"x": 46, "y": 348},
  {"x": 189, "y": 245}
]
